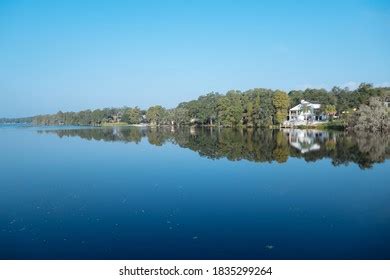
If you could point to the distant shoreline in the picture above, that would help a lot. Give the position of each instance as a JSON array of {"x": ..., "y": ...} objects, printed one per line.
[
  {"x": 325, "y": 126},
  {"x": 365, "y": 108}
]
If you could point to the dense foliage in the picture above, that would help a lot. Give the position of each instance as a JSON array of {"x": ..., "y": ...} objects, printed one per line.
[
  {"x": 252, "y": 108},
  {"x": 374, "y": 116}
]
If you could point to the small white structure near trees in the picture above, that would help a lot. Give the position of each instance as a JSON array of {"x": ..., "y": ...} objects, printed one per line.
[{"x": 305, "y": 113}]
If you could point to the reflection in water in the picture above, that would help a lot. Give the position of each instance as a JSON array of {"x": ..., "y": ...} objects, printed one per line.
[
  {"x": 69, "y": 198},
  {"x": 304, "y": 140},
  {"x": 364, "y": 149}
]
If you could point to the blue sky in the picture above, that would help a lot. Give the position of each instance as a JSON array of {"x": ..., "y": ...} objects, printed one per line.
[{"x": 74, "y": 55}]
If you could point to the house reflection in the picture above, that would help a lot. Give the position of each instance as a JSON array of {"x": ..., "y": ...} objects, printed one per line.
[{"x": 306, "y": 140}]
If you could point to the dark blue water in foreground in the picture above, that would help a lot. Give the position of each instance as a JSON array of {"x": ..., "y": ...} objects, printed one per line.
[{"x": 138, "y": 193}]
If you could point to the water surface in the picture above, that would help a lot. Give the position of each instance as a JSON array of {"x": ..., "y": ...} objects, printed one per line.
[{"x": 165, "y": 193}]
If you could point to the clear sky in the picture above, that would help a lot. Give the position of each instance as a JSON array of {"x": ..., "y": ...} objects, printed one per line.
[{"x": 73, "y": 55}]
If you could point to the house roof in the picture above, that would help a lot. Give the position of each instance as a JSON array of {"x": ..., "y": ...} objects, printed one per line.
[{"x": 305, "y": 104}]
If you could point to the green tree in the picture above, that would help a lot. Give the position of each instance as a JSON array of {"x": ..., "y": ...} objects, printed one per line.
[
  {"x": 280, "y": 101},
  {"x": 181, "y": 116},
  {"x": 155, "y": 115},
  {"x": 374, "y": 117},
  {"x": 132, "y": 115},
  {"x": 230, "y": 110},
  {"x": 295, "y": 97},
  {"x": 330, "y": 110}
]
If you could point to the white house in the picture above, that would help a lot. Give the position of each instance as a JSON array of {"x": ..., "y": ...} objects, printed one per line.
[{"x": 306, "y": 112}]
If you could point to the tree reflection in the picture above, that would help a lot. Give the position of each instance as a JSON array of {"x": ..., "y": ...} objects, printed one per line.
[{"x": 364, "y": 149}]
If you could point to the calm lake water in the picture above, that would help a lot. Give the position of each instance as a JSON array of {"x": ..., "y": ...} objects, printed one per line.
[{"x": 143, "y": 193}]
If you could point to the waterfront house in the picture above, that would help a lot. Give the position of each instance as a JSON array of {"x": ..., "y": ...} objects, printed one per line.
[{"x": 305, "y": 113}]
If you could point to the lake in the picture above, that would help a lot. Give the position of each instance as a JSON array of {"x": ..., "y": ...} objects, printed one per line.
[{"x": 193, "y": 193}]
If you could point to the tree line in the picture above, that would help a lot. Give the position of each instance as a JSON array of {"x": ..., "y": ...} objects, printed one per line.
[{"x": 252, "y": 108}]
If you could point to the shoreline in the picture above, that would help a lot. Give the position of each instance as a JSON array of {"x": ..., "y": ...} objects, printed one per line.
[{"x": 326, "y": 126}]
